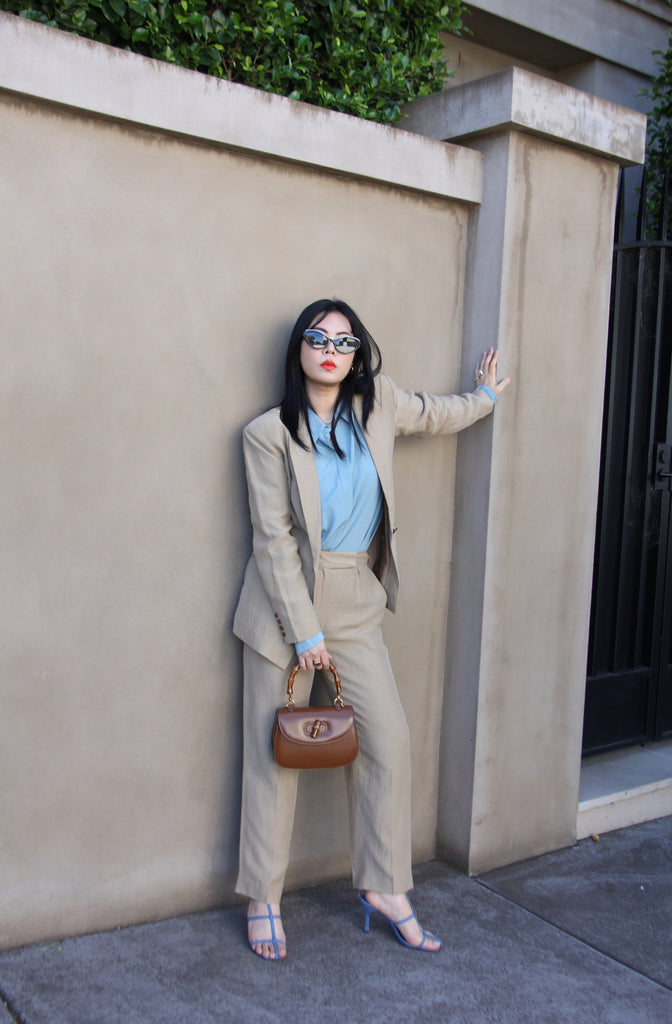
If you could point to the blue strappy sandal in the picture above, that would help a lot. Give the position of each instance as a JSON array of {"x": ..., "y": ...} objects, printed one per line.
[
  {"x": 369, "y": 909},
  {"x": 275, "y": 942}
]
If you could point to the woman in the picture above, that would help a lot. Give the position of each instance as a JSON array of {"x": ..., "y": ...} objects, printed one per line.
[{"x": 323, "y": 569}]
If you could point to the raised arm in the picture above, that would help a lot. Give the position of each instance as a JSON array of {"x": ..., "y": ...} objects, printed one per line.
[{"x": 423, "y": 414}]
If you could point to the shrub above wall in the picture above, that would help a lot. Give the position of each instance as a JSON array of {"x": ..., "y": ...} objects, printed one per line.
[
  {"x": 659, "y": 145},
  {"x": 366, "y": 58}
]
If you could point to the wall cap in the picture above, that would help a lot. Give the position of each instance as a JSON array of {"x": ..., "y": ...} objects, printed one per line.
[
  {"x": 622, "y": 32},
  {"x": 53, "y": 66},
  {"x": 519, "y": 100}
]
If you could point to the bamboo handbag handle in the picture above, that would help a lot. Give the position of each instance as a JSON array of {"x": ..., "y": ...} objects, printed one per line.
[{"x": 338, "y": 700}]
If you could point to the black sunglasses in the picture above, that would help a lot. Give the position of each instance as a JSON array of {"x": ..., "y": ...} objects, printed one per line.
[{"x": 345, "y": 345}]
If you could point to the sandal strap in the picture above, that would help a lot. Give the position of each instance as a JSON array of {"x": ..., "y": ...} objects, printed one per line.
[
  {"x": 425, "y": 934},
  {"x": 411, "y": 917},
  {"x": 268, "y": 916}
]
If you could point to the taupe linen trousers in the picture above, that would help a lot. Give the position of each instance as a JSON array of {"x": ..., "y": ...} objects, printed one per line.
[{"x": 350, "y": 602}]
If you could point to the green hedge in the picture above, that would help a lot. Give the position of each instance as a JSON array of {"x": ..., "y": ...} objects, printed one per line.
[
  {"x": 659, "y": 142},
  {"x": 365, "y": 58}
]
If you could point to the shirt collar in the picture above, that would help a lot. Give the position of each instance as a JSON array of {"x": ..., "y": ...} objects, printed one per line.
[{"x": 320, "y": 430}]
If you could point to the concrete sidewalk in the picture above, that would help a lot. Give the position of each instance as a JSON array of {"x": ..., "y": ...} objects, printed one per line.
[{"x": 582, "y": 936}]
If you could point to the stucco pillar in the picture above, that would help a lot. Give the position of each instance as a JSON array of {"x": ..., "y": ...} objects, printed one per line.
[{"x": 538, "y": 274}]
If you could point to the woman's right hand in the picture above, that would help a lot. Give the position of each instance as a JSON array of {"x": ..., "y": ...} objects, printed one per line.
[
  {"x": 486, "y": 372},
  {"x": 315, "y": 657}
]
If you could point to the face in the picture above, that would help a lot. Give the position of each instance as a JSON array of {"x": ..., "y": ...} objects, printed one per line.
[{"x": 327, "y": 367}]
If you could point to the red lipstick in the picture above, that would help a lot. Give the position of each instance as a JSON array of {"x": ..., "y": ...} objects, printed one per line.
[{"x": 328, "y": 365}]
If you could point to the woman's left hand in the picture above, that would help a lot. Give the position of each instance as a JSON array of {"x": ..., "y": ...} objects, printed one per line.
[
  {"x": 317, "y": 657},
  {"x": 486, "y": 372}
]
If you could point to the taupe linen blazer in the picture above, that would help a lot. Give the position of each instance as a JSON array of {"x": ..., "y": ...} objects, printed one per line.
[{"x": 275, "y": 609}]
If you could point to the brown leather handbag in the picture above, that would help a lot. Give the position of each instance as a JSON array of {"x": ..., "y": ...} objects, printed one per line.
[{"x": 314, "y": 737}]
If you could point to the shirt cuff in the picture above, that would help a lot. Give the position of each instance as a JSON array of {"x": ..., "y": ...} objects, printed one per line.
[
  {"x": 489, "y": 392},
  {"x": 305, "y": 645}
]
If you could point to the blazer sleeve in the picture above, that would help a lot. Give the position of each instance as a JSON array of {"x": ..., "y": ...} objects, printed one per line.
[
  {"x": 274, "y": 529},
  {"x": 421, "y": 414}
]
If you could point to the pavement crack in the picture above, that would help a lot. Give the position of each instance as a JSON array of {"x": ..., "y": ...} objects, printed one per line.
[
  {"x": 5, "y": 1004},
  {"x": 573, "y": 935}
]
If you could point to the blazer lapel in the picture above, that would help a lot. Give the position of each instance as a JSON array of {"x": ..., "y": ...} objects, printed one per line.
[
  {"x": 377, "y": 435},
  {"x": 308, "y": 486}
]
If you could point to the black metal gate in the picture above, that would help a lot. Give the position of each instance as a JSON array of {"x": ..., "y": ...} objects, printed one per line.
[{"x": 629, "y": 684}]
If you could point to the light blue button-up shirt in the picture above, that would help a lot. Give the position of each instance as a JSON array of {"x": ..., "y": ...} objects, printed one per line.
[{"x": 351, "y": 498}]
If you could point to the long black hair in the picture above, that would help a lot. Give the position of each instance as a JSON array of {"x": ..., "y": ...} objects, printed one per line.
[{"x": 365, "y": 366}]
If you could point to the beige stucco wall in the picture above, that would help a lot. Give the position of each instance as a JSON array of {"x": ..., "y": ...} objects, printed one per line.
[{"x": 147, "y": 284}]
